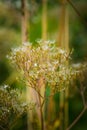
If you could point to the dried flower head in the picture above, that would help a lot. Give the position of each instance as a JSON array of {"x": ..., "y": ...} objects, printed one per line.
[{"x": 46, "y": 61}]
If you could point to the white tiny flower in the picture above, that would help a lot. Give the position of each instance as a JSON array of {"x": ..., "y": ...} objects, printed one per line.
[
  {"x": 47, "y": 42},
  {"x": 23, "y": 49},
  {"x": 77, "y": 65},
  {"x": 61, "y": 51},
  {"x": 35, "y": 64},
  {"x": 7, "y": 110},
  {"x": 39, "y": 41},
  {"x": 26, "y": 43},
  {"x": 52, "y": 68},
  {"x": 52, "y": 41},
  {"x": 7, "y": 56},
  {"x": 55, "y": 62},
  {"x": 45, "y": 47},
  {"x": 5, "y": 86}
]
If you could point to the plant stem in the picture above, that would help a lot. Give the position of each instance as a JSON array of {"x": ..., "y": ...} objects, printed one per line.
[
  {"x": 2, "y": 128},
  {"x": 76, "y": 10},
  {"x": 77, "y": 119},
  {"x": 66, "y": 119},
  {"x": 41, "y": 113},
  {"x": 83, "y": 98},
  {"x": 15, "y": 121},
  {"x": 42, "y": 121},
  {"x": 61, "y": 113}
]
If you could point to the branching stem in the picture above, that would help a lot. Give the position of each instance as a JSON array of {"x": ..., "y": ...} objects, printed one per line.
[
  {"x": 77, "y": 119},
  {"x": 78, "y": 13},
  {"x": 2, "y": 128}
]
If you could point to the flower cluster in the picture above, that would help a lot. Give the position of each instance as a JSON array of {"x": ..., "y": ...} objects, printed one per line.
[
  {"x": 46, "y": 61},
  {"x": 12, "y": 107}
]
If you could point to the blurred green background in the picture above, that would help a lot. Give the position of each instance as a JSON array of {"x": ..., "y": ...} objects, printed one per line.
[{"x": 10, "y": 36}]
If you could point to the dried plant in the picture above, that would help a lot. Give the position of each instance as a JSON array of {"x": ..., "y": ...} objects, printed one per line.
[
  {"x": 11, "y": 107},
  {"x": 45, "y": 60},
  {"x": 48, "y": 62}
]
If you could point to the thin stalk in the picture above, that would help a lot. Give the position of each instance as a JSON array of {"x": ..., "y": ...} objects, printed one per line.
[
  {"x": 82, "y": 93},
  {"x": 63, "y": 41},
  {"x": 66, "y": 41},
  {"x": 15, "y": 121},
  {"x": 83, "y": 98},
  {"x": 61, "y": 27},
  {"x": 44, "y": 37},
  {"x": 77, "y": 119},
  {"x": 44, "y": 19},
  {"x": 66, "y": 110},
  {"x": 24, "y": 26},
  {"x": 2, "y": 128},
  {"x": 78, "y": 13},
  {"x": 38, "y": 92},
  {"x": 61, "y": 112},
  {"x": 41, "y": 113},
  {"x": 61, "y": 44},
  {"x": 24, "y": 31}
]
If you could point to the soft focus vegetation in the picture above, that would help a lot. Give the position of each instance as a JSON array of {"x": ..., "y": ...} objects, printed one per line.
[
  {"x": 12, "y": 107},
  {"x": 41, "y": 69}
]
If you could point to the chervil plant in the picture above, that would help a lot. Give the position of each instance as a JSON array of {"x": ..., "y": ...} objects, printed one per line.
[
  {"x": 11, "y": 107},
  {"x": 45, "y": 64},
  {"x": 46, "y": 61}
]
